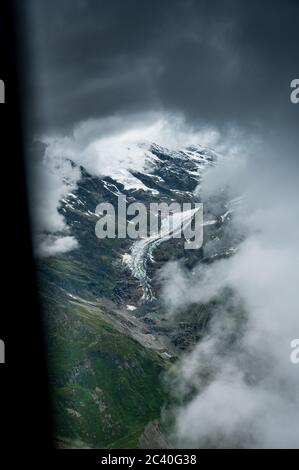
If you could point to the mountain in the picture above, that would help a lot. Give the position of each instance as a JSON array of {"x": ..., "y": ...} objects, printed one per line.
[{"x": 109, "y": 337}]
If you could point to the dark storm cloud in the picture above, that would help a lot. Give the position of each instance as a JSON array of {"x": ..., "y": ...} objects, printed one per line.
[{"x": 217, "y": 62}]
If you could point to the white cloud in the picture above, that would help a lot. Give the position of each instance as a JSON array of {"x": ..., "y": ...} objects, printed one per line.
[
  {"x": 51, "y": 245},
  {"x": 246, "y": 391},
  {"x": 104, "y": 147}
]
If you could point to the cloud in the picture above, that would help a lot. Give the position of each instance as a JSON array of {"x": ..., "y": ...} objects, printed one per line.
[
  {"x": 55, "y": 178},
  {"x": 244, "y": 386},
  {"x": 52, "y": 177},
  {"x": 104, "y": 147},
  {"x": 51, "y": 245},
  {"x": 218, "y": 63}
]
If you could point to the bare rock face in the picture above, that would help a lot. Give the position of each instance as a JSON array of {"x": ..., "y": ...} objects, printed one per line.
[{"x": 152, "y": 437}]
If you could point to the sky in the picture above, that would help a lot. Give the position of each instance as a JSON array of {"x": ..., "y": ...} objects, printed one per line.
[
  {"x": 223, "y": 67},
  {"x": 217, "y": 62},
  {"x": 103, "y": 74}
]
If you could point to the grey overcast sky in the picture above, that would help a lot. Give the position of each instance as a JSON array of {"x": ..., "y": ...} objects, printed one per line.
[{"x": 217, "y": 62}]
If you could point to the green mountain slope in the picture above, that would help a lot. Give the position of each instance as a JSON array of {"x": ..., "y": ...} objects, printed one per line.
[{"x": 105, "y": 386}]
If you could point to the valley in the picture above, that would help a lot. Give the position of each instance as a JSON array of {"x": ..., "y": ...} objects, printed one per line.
[{"x": 110, "y": 338}]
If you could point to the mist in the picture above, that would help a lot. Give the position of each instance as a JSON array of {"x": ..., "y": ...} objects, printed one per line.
[{"x": 243, "y": 385}]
